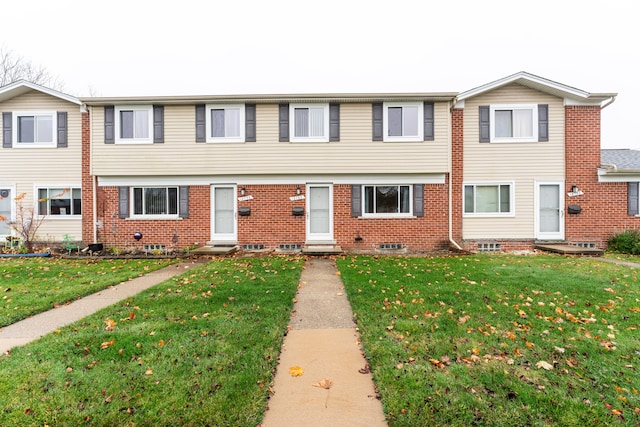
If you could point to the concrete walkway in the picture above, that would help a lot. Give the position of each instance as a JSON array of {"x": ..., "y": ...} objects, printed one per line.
[
  {"x": 324, "y": 342},
  {"x": 34, "y": 327}
]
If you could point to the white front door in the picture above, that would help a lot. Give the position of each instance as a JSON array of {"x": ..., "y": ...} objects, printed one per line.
[
  {"x": 224, "y": 213},
  {"x": 6, "y": 210},
  {"x": 320, "y": 213},
  {"x": 550, "y": 211}
]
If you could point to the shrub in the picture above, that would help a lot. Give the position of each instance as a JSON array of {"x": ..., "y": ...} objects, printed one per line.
[{"x": 626, "y": 242}]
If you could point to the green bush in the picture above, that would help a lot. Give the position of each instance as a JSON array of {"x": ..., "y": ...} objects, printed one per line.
[{"x": 627, "y": 242}]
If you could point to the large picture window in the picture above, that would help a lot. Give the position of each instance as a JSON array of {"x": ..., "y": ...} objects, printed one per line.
[
  {"x": 488, "y": 199},
  {"x": 59, "y": 202},
  {"x": 155, "y": 201},
  {"x": 387, "y": 199}
]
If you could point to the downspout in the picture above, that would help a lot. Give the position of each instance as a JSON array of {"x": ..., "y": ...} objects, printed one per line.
[
  {"x": 451, "y": 241},
  {"x": 613, "y": 98}
]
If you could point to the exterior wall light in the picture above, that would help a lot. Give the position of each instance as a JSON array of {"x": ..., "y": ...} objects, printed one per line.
[
  {"x": 243, "y": 191},
  {"x": 298, "y": 191}
]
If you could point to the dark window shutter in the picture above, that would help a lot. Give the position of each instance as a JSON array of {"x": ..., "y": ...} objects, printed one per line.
[
  {"x": 201, "y": 123},
  {"x": 377, "y": 113},
  {"x": 543, "y": 122},
  {"x": 485, "y": 119},
  {"x": 7, "y": 123},
  {"x": 158, "y": 124},
  {"x": 418, "y": 200},
  {"x": 62, "y": 129},
  {"x": 283, "y": 122},
  {"x": 356, "y": 200},
  {"x": 250, "y": 122},
  {"x": 184, "y": 202},
  {"x": 632, "y": 198},
  {"x": 334, "y": 122},
  {"x": 109, "y": 124},
  {"x": 123, "y": 202},
  {"x": 429, "y": 131}
]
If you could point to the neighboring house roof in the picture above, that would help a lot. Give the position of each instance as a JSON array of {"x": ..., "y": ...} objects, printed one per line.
[
  {"x": 271, "y": 99},
  {"x": 571, "y": 95},
  {"x": 22, "y": 86},
  {"x": 619, "y": 165}
]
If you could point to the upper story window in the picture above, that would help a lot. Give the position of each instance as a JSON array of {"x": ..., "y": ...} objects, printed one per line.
[
  {"x": 514, "y": 123},
  {"x": 403, "y": 121},
  {"x": 34, "y": 128},
  {"x": 488, "y": 199},
  {"x": 59, "y": 202},
  {"x": 225, "y": 123},
  {"x": 155, "y": 201},
  {"x": 134, "y": 124},
  {"x": 387, "y": 200},
  {"x": 309, "y": 122}
]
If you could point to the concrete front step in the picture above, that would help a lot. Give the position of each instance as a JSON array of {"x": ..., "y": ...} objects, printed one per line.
[
  {"x": 569, "y": 249},
  {"x": 321, "y": 249},
  {"x": 215, "y": 250}
]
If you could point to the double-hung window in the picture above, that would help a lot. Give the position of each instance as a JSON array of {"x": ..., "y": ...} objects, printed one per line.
[
  {"x": 387, "y": 200},
  {"x": 309, "y": 122},
  {"x": 514, "y": 123},
  {"x": 488, "y": 199},
  {"x": 34, "y": 128},
  {"x": 155, "y": 201},
  {"x": 134, "y": 124},
  {"x": 59, "y": 202},
  {"x": 225, "y": 123},
  {"x": 403, "y": 121}
]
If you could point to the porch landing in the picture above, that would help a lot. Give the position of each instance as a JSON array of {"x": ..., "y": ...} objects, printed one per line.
[{"x": 567, "y": 249}]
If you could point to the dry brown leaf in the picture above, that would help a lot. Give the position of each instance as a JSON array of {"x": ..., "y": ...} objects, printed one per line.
[
  {"x": 544, "y": 365},
  {"x": 111, "y": 325},
  {"x": 323, "y": 383},
  {"x": 296, "y": 371},
  {"x": 107, "y": 344}
]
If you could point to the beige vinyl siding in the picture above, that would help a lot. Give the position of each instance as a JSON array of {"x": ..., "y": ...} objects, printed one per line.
[
  {"x": 354, "y": 153},
  {"x": 27, "y": 167},
  {"x": 522, "y": 163}
]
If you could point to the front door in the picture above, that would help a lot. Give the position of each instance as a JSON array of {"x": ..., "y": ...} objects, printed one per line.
[
  {"x": 6, "y": 214},
  {"x": 223, "y": 214},
  {"x": 320, "y": 213},
  {"x": 550, "y": 218}
]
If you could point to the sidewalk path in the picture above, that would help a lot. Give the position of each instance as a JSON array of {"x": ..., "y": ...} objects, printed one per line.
[
  {"x": 34, "y": 327},
  {"x": 324, "y": 342}
]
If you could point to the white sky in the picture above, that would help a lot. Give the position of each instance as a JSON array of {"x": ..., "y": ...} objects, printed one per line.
[{"x": 161, "y": 47}]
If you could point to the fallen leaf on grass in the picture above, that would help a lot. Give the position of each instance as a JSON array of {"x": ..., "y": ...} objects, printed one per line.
[
  {"x": 544, "y": 365},
  {"x": 111, "y": 325},
  {"x": 107, "y": 344},
  {"x": 296, "y": 371},
  {"x": 323, "y": 383}
]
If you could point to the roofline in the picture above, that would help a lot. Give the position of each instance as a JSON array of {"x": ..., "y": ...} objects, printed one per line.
[
  {"x": 15, "y": 86},
  {"x": 540, "y": 82},
  {"x": 273, "y": 98}
]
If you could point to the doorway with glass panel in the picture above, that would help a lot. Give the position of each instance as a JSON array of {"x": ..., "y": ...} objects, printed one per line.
[{"x": 224, "y": 225}]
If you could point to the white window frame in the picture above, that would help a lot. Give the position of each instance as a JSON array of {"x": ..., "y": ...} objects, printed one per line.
[
  {"x": 512, "y": 202},
  {"x": 292, "y": 123},
  {"x": 209, "y": 125},
  {"x": 404, "y": 138},
  {"x": 366, "y": 214},
  {"x": 118, "y": 124},
  {"x": 132, "y": 202},
  {"x": 66, "y": 189},
  {"x": 54, "y": 129},
  {"x": 534, "y": 122}
]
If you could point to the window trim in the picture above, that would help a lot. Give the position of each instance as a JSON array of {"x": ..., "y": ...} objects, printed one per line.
[
  {"x": 385, "y": 122},
  {"x": 292, "y": 123},
  {"x": 54, "y": 129},
  {"x": 492, "y": 122},
  {"x": 132, "y": 211},
  {"x": 366, "y": 214},
  {"x": 208, "y": 124},
  {"x": 49, "y": 215},
  {"x": 512, "y": 204},
  {"x": 117, "y": 124}
]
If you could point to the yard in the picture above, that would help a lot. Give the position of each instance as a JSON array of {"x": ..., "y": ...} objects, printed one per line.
[
  {"x": 459, "y": 341},
  {"x": 499, "y": 340}
]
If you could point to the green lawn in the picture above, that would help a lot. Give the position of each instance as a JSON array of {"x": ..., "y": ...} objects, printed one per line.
[
  {"x": 499, "y": 340},
  {"x": 30, "y": 286},
  {"x": 199, "y": 349}
]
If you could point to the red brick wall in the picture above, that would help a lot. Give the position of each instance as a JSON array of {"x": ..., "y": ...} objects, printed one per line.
[
  {"x": 604, "y": 205},
  {"x": 457, "y": 172},
  {"x": 87, "y": 186}
]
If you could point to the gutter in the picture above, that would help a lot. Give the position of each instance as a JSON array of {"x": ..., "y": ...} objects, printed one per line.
[{"x": 611, "y": 101}]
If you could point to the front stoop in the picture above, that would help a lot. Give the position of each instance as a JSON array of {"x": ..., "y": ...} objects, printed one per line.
[
  {"x": 569, "y": 249},
  {"x": 212, "y": 249},
  {"x": 321, "y": 249}
]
